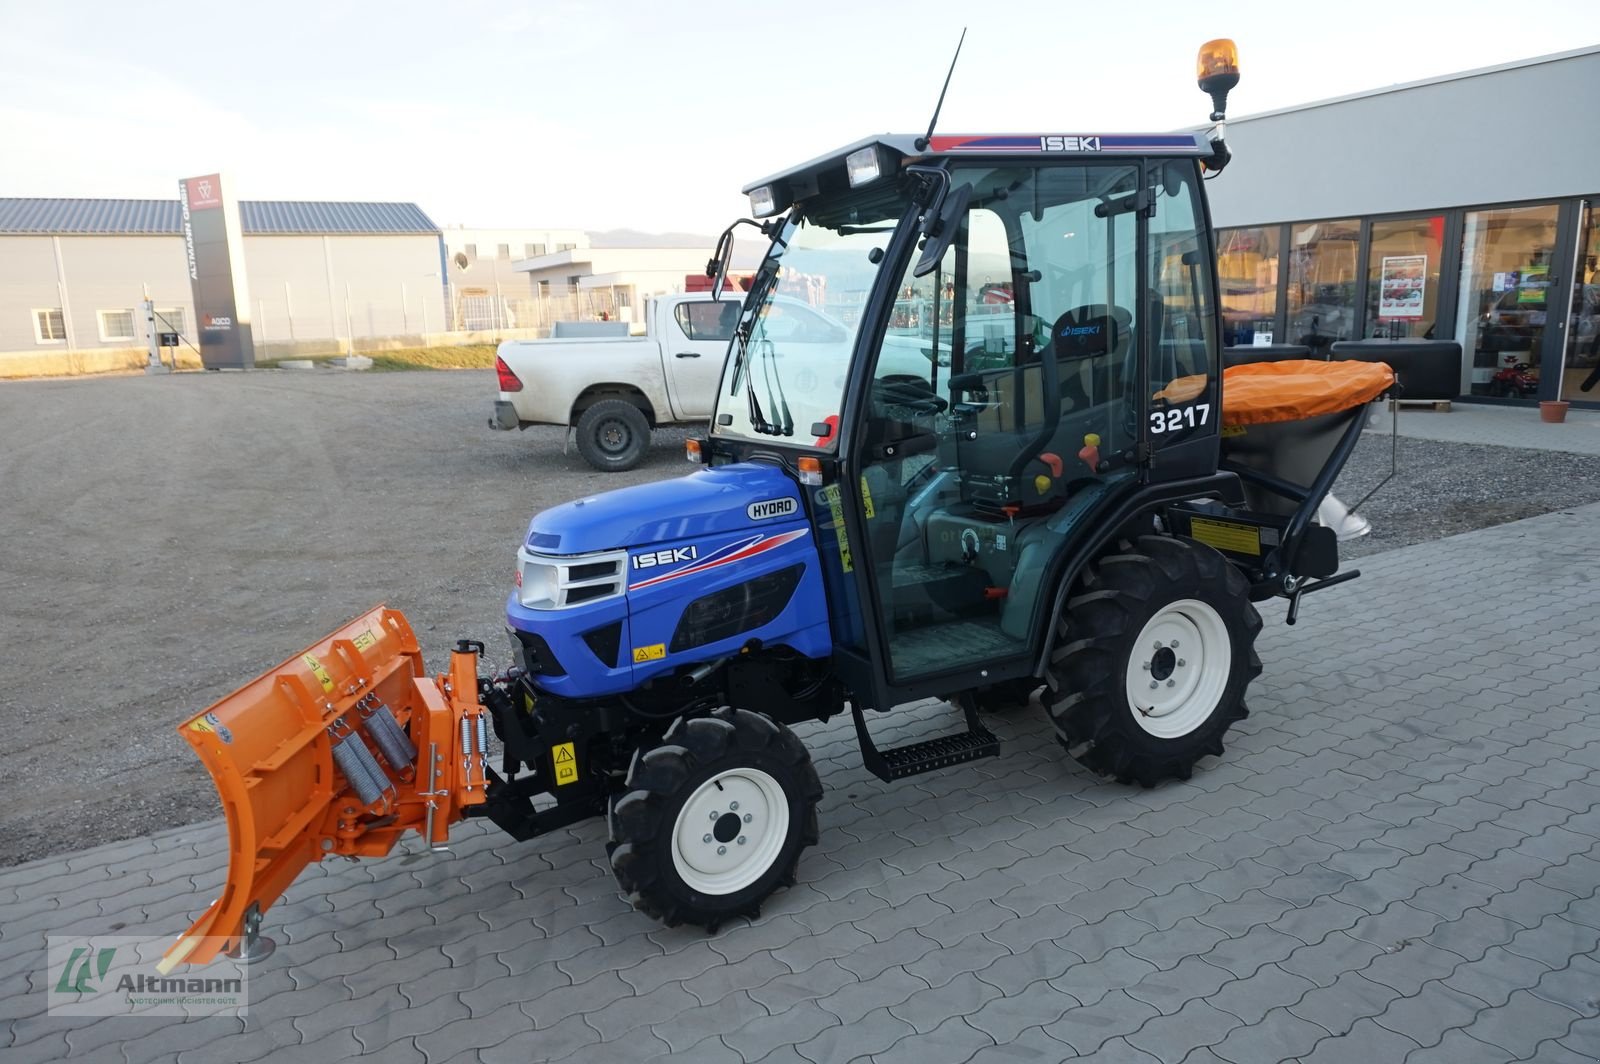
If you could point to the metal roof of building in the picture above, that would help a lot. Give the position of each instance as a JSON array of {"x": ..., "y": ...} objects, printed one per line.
[{"x": 81, "y": 217}]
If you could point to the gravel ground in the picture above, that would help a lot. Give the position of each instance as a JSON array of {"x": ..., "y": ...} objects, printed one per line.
[{"x": 162, "y": 540}]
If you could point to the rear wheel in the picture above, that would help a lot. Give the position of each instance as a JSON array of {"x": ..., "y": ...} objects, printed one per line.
[
  {"x": 613, "y": 435},
  {"x": 714, "y": 818},
  {"x": 1152, "y": 660}
]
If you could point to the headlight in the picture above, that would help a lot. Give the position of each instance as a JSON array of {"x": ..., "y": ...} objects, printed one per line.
[{"x": 554, "y": 583}]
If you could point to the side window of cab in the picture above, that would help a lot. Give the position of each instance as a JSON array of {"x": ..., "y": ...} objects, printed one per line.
[{"x": 1179, "y": 314}]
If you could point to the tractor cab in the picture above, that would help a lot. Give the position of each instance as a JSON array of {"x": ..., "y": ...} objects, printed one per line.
[{"x": 1022, "y": 332}]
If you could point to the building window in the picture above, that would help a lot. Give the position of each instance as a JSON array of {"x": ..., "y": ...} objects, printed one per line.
[
  {"x": 1403, "y": 277},
  {"x": 502, "y": 251},
  {"x": 532, "y": 251},
  {"x": 472, "y": 252},
  {"x": 565, "y": 247},
  {"x": 116, "y": 325},
  {"x": 1247, "y": 267},
  {"x": 170, "y": 319},
  {"x": 49, "y": 326},
  {"x": 1322, "y": 283}
]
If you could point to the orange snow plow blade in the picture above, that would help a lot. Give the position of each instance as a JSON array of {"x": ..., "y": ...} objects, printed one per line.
[{"x": 337, "y": 752}]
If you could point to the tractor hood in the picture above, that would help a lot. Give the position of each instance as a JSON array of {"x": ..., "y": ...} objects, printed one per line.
[{"x": 724, "y": 499}]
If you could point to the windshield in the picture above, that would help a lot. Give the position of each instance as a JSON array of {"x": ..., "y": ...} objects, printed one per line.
[{"x": 786, "y": 375}]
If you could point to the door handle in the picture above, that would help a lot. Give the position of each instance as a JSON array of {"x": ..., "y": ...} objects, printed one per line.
[{"x": 687, "y": 354}]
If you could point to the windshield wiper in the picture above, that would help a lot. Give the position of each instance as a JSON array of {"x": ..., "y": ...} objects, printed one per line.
[{"x": 773, "y": 375}]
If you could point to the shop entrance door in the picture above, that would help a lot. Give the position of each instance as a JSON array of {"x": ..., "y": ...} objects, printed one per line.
[
  {"x": 1580, "y": 377},
  {"x": 1507, "y": 259}
]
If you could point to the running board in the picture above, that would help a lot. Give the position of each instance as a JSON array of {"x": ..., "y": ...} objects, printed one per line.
[{"x": 898, "y": 762}]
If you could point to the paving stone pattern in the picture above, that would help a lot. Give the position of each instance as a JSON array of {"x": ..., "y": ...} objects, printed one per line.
[{"x": 1397, "y": 860}]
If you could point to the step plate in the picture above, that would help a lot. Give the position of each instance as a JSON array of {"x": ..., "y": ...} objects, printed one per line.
[{"x": 947, "y": 750}]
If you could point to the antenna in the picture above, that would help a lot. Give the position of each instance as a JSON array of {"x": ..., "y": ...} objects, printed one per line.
[{"x": 922, "y": 141}]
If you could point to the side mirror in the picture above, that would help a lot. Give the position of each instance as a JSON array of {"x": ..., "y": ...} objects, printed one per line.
[
  {"x": 717, "y": 267},
  {"x": 943, "y": 230}
]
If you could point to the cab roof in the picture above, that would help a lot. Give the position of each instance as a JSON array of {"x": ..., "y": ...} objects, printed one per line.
[{"x": 905, "y": 147}]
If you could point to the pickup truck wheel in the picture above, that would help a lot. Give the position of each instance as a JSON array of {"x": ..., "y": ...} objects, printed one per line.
[
  {"x": 613, "y": 435},
  {"x": 1152, "y": 661},
  {"x": 714, "y": 818}
]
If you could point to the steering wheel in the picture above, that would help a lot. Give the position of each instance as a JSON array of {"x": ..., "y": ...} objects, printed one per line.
[{"x": 909, "y": 392}]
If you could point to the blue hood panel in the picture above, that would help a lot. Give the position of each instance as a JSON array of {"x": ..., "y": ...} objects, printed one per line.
[{"x": 704, "y": 503}]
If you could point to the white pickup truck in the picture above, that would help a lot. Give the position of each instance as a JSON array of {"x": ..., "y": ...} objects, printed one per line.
[{"x": 614, "y": 389}]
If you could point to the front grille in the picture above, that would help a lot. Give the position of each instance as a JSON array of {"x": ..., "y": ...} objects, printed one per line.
[
  {"x": 606, "y": 643},
  {"x": 740, "y": 608}
]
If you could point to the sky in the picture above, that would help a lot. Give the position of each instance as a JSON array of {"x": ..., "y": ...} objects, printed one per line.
[{"x": 649, "y": 114}]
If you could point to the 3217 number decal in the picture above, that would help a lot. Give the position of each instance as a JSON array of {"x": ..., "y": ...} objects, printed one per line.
[{"x": 1181, "y": 417}]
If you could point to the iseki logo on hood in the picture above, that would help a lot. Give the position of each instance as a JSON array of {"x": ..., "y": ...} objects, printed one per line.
[{"x": 672, "y": 556}]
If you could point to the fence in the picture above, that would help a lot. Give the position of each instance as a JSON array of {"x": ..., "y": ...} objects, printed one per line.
[{"x": 358, "y": 315}]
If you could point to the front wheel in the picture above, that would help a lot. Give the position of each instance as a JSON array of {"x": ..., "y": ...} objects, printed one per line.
[
  {"x": 613, "y": 435},
  {"x": 1153, "y": 658},
  {"x": 714, "y": 818}
]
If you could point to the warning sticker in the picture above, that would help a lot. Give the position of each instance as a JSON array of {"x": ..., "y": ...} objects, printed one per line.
[
  {"x": 211, "y": 725},
  {"x": 319, "y": 671},
  {"x": 1229, "y": 431},
  {"x": 1225, "y": 535},
  {"x": 653, "y": 652},
  {"x": 565, "y": 757}
]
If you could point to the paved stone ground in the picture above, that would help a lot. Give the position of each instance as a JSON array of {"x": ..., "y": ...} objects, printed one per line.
[
  {"x": 1397, "y": 860},
  {"x": 1504, "y": 426}
]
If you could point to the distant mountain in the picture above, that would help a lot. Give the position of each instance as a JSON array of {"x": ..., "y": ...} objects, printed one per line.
[
  {"x": 747, "y": 254},
  {"x": 635, "y": 238}
]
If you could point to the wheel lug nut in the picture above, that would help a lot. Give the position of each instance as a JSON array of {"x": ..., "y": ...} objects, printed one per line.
[
  {"x": 734, "y": 806},
  {"x": 1145, "y": 666},
  {"x": 707, "y": 839},
  {"x": 748, "y": 818},
  {"x": 741, "y": 840},
  {"x": 1153, "y": 685},
  {"x": 1181, "y": 663},
  {"x": 1172, "y": 683},
  {"x": 721, "y": 850},
  {"x": 1174, "y": 644},
  {"x": 1158, "y": 644},
  {"x": 715, "y": 814}
]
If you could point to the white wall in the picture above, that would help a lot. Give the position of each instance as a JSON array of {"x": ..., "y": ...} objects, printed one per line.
[{"x": 1525, "y": 133}]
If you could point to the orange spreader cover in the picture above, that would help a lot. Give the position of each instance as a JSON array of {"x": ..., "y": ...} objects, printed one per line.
[{"x": 1261, "y": 393}]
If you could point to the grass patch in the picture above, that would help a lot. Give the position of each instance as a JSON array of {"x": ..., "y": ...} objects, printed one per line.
[{"x": 469, "y": 356}]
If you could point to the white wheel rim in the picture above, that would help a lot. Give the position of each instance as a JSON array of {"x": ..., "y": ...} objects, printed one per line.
[
  {"x": 1179, "y": 668},
  {"x": 730, "y": 831}
]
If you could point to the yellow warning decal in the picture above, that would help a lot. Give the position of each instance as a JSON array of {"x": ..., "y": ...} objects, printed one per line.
[
  {"x": 1232, "y": 430},
  {"x": 365, "y": 639},
  {"x": 866, "y": 500},
  {"x": 653, "y": 652},
  {"x": 565, "y": 757},
  {"x": 318, "y": 671},
  {"x": 1225, "y": 535}
]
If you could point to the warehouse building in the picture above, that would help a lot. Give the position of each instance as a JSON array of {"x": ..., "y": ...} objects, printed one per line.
[
  {"x": 73, "y": 273},
  {"x": 1459, "y": 208}
]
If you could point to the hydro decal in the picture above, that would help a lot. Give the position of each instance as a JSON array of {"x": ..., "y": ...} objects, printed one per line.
[
  {"x": 760, "y": 511},
  {"x": 733, "y": 552}
]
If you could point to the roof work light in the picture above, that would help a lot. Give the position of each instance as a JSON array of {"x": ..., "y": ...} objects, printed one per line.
[{"x": 864, "y": 166}]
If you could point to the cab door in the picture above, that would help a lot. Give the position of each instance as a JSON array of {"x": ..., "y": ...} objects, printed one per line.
[
  {"x": 694, "y": 340},
  {"x": 1003, "y": 409}
]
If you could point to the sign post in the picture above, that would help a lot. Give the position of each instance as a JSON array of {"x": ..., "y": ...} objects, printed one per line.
[{"x": 215, "y": 249}]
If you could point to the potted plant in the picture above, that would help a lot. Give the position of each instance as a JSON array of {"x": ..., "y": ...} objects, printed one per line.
[{"x": 1553, "y": 410}]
